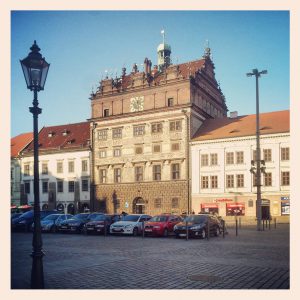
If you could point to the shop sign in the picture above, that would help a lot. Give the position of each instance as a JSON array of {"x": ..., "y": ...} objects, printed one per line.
[
  {"x": 285, "y": 206},
  {"x": 235, "y": 209},
  {"x": 209, "y": 205},
  {"x": 285, "y": 198},
  {"x": 265, "y": 202},
  {"x": 223, "y": 200}
]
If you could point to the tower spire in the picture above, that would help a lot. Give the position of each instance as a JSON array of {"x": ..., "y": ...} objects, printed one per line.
[{"x": 164, "y": 53}]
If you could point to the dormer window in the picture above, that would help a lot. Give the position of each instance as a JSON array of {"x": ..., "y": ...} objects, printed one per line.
[
  {"x": 71, "y": 141},
  {"x": 50, "y": 134},
  {"x": 65, "y": 132},
  {"x": 106, "y": 112}
]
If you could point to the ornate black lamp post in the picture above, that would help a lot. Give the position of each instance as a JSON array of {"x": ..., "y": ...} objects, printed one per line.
[
  {"x": 258, "y": 169},
  {"x": 35, "y": 69}
]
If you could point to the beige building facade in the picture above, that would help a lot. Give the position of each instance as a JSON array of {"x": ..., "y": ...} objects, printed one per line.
[{"x": 141, "y": 127}]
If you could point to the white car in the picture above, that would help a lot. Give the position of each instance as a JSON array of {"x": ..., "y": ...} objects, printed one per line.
[{"x": 130, "y": 224}]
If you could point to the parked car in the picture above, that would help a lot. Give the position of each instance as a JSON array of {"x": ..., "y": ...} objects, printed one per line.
[
  {"x": 197, "y": 226},
  {"x": 130, "y": 224},
  {"x": 24, "y": 222},
  {"x": 100, "y": 223},
  {"x": 50, "y": 222},
  {"x": 15, "y": 215},
  {"x": 161, "y": 225},
  {"x": 76, "y": 223}
]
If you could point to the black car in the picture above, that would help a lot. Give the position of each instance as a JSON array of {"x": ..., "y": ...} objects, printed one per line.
[
  {"x": 24, "y": 222},
  {"x": 197, "y": 226},
  {"x": 76, "y": 223},
  {"x": 100, "y": 222}
]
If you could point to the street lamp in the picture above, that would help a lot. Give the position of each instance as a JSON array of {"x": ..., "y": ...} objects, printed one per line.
[
  {"x": 35, "y": 69},
  {"x": 258, "y": 168}
]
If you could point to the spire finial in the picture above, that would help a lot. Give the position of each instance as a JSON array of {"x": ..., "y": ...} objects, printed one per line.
[
  {"x": 163, "y": 35},
  {"x": 207, "y": 52}
]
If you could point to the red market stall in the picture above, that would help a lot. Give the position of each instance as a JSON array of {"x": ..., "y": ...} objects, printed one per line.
[
  {"x": 210, "y": 208},
  {"x": 235, "y": 209}
]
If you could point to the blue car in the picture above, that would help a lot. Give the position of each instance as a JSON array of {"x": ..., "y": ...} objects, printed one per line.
[{"x": 51, "y": 222}]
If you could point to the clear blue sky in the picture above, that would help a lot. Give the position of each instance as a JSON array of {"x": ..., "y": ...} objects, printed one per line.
[{"x": 81, "y": 45}]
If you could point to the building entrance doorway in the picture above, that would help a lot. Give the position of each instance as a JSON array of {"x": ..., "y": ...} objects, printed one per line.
[
  {"x": 265, "y": 209},
  {"x": 138, "y": 206}
]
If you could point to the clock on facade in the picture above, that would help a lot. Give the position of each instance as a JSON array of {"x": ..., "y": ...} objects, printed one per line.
[{"x": 137, "y": 103}]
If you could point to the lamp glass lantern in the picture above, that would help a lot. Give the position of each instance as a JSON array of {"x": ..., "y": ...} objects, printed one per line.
[{"x": 35, "y": 69}]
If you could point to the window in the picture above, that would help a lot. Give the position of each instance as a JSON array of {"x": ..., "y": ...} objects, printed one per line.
[
  {"x": 71, "y": 186},
  {"x": 117, "y": 175},
  {"x": 250, "y": 203},
  {"x": 156, "y": 148},
  {"x": 26, "y": 170},
  {"x": 117, "y": 133},
  {"x": 84, "y": 165},
  {"x": 102, "y": 175},
  {"x": 102, "y": 153},
  {"x": 139, "y": 130},
  {"x": 175, "y": 125},
  {"x": 27, "y": 187},
  {"x": 170, "y": 101},
  {"x": 106, "y": 112},
  {"x": 102, "y": 134},
  {"x": 156, "y": 128},
  {"x": 139, "y": 150},
  {"x": 117, "y": 152},
  {"x": 175, "y": 146},
  {"x": 175, "y": 202},
  {"x": 229, "y": 181},
  {"x": 213, "y": 159},
  {"x": 239, "y": 157},
  {"x": 204, "y": 160},
  {"x": 229, "y": 158},
  {"x": 157, "y": 172},
  {"x": 214, "y": 181},
  {"x": 204, "y": 182},
  {"x": 60, "y": 186},
  {"x": 45, "y": 187},
  {"x": 44, "y": 168},
  {"x": 71, "y": 166},
  {"x": 268, "y": 179},
  {"x": 285, "y": 153},
  {"x": 59, "y": 167},
  {"x": 84, "y": 185},
  {"x": 157, "y": 203},
  {"x": 267, "y": 155},
  {"x": 240, "y": 180},
  {"x": 138, "y": 173},
  {"x": 175, "y": 171},
  {"x": 285, "y": 178}
]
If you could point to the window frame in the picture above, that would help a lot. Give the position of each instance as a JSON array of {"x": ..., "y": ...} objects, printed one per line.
[{"x": 175, "y": 171}]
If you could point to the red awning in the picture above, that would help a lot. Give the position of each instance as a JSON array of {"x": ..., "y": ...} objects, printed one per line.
[
  {"x": 25, "y": 206},
  {"x": 209, "y": 205},
  {"x": 13, "y": 206},
  {"x": 242, "y": 205}
]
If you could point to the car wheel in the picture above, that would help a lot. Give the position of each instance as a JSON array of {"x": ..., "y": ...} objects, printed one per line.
[
  {"x": 203, "y": 233},
  {"x": 135, "y": 231},
  {"x": 166, "y": 233}
]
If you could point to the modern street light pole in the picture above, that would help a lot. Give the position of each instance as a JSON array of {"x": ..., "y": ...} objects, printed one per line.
[
  {"x": 35, "y": 69},
  {"x": 257, "y": 74}
]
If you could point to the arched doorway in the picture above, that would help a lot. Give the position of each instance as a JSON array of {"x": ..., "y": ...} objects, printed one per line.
[
  {"x": 71, "y": 209},
  {"x": 60, "y": 207},
  {"x": 138, "y": 205},
  {"x": 85, "y": 207},
  {"x": 45, "y": 207}
]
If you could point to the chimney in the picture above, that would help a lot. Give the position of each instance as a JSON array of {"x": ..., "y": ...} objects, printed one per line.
[
  {"x": 146, "y": 66},
  {"x": 123, "y": 71},
  {"x": 233, "y": 114}
]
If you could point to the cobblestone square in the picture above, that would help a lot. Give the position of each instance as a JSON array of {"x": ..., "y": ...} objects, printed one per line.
[{"x": 251, "y": 260}]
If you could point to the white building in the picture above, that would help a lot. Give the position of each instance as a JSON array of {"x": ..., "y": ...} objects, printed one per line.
[
  {"x": 222, "y": 151},
  {"x": 64, "y": 168}
]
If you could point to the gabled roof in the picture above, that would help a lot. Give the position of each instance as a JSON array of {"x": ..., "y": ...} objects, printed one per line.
[
  {"x": 19, "y": 142},
  {"x": 270, "y": 123},
  {"x": 63, "y": 137}
]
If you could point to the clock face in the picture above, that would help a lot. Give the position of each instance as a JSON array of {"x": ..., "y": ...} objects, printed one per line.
[{"x": 137, "y": 103}]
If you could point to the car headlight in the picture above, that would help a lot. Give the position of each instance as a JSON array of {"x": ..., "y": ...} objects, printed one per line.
[
  {"x": 128, "y": 226},
  {"x": 196, "y": 227},
  {"x": 156, "y": 227}
]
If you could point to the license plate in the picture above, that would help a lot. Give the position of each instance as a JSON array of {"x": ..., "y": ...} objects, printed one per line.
[
  {"x": 148, "y": 230},
  {"x": 90, "y": 228},
  {"x": 182, "y": 234},
  {"x": 63, "y": 227},
  {"x": 117, "y": 229}
]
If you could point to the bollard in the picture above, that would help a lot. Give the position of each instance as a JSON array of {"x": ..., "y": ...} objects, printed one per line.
[
  {"x": 208, "y": 230},
  {"x": 236, "y": 227},
  {"x": 143, "y": 229},
  {"x": 275, "y": 223},
  {"x": 269, "y": 224},
  {"x": 223, "y": 228},
  {"x": 187, "y": 230},
  {"x": 240, "y": 222},
  {"x": 263, "y": 224},
  {"x": 105, "y": 230}
]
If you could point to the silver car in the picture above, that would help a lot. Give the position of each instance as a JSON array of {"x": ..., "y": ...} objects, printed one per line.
[{"x": 130, "y": 224}]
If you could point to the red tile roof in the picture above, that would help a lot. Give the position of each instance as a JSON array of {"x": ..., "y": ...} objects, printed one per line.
[
  {"x": 19, "y": 142},
  {"x": 53, "y": 137},
  {"x": 271, "y": 122}
]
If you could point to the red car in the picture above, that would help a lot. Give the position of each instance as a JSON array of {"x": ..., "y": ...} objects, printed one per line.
[{"x": 161, "y": 225}]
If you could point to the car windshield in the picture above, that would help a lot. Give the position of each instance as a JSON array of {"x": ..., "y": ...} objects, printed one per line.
[
  {"x": 196, "y": 219},
  {"x": 93, "y": 217},
  {"x": 28, "y": 214},
  {"x": 80, "y": 216},
  {"x": 51, "y": 217},
  {"x": 99, "y": 218},
  {"x": 132, "y": 218},
  {"x": 158, "y": 219}
]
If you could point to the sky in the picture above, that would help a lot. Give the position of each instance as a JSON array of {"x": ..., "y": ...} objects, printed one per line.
[{"x": 81, "y": 45}]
